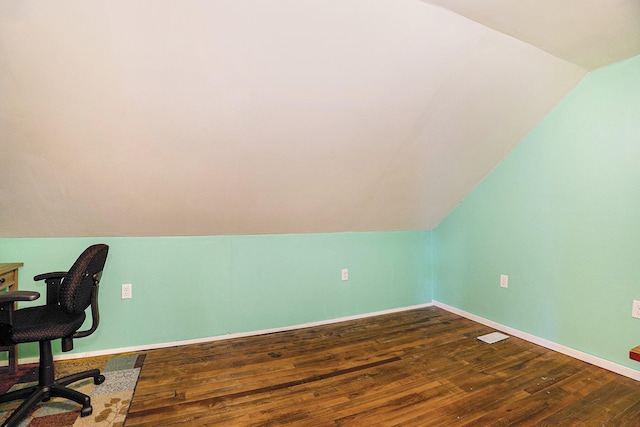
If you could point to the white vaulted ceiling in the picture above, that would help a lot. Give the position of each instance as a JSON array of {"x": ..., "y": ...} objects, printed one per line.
[{"x": 201, "y": 117}]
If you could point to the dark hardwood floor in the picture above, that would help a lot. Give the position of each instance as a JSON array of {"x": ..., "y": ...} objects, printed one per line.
[{"x": 422, "y": 367}]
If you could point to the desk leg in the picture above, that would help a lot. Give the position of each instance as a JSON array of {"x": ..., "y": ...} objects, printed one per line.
[
  {"x": 9, "y": 281},
  {"x": 6, "y": 316}
]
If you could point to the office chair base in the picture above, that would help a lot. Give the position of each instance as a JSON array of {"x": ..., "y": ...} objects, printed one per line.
[{"x": 39, "y": 393}]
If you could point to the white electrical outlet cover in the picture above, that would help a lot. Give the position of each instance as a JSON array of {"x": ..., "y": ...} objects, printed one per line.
[
  {"x": 504, "y": 281},
  {"x": 635, "y": 309}
]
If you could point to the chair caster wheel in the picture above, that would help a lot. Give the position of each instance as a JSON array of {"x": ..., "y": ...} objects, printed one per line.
[
  {"x": 99, "y": 379},
  {"x": 85, "y": 412}
]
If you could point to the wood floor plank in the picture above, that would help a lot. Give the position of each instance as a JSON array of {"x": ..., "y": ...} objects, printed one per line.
[{"x": 422, "y": 367}]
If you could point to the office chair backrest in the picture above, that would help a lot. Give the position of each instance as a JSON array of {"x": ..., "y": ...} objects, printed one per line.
[{"x": 74, "y": 293}]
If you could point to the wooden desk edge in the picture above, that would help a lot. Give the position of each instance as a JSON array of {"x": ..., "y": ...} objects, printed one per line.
[
  {"x": 635, "y": 353},
  {"x": 9, "y": 266}
]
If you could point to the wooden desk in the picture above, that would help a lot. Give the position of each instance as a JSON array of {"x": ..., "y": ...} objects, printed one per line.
[
  {"x": 9, "y": 281},
  {"x": 635, "y": 353}
]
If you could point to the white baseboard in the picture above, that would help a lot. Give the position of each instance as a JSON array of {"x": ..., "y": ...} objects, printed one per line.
[
  {"x": 576, "y": 354},
  {"x": 602, "y": 363},
  {"x": 219, "y": 337}
]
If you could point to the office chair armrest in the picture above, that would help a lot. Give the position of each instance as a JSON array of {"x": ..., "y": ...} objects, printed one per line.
[
  {"x": 14, "y": 296},
  {"x": 52, "y": 280},
  {"x": 53, "y": 275},
  {"x": 95, "y": 315},
  {"x": 7, "y": 302},
  {"x": 67, "y": 342}
]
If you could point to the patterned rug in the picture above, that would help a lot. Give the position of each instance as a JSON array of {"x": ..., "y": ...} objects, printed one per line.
[{"x": 110, "y": 400}]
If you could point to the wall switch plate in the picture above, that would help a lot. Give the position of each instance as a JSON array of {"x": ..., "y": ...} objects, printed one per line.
[
  {"x": 504, "y": 281},
  {"x": 635, "y": 312},
  {"x": 345, "y": 274},
  {"x": 126, "y": 291}
]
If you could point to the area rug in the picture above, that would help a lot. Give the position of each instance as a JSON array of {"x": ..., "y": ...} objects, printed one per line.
[{"x": 110, "y": 400}]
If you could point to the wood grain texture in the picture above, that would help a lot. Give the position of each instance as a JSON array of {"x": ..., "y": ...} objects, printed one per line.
[{"x": 422, "y": 367}]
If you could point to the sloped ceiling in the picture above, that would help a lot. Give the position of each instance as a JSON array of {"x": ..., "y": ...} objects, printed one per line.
[{"x": 203, "y": 117}]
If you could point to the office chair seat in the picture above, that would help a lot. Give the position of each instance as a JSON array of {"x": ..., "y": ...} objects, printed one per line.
[{"x": 44, "y": 323}]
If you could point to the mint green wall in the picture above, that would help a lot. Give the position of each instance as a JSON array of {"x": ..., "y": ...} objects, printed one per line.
[
  {"x": 197, "y": 287},
  {"x": 561, "y": 216}
]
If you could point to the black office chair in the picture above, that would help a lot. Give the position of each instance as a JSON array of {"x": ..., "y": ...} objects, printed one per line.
[{"x": 69, "y": 294}]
